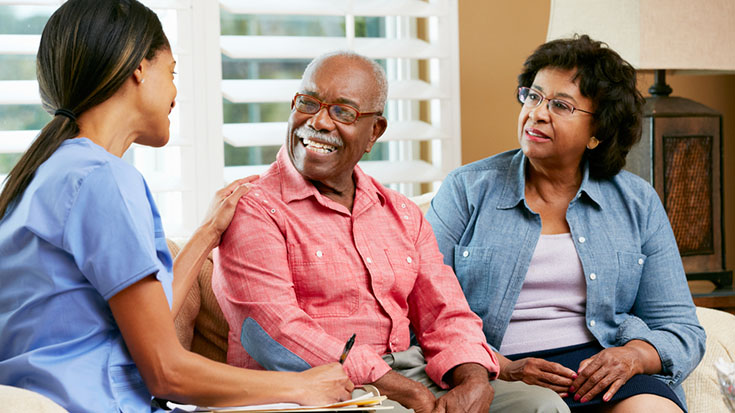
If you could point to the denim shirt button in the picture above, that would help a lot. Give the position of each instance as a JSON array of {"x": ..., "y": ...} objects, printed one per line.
[
  {"x": 593, "y": 276},
  {"x": 582, "y": 240},
  {"x": 592, "y": 323},
  {"x": 640, "y": 261},
  {"x": 466, "y": 254}
]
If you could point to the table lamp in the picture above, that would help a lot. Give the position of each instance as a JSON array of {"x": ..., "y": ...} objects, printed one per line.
[{"x": 680, "y": 149}]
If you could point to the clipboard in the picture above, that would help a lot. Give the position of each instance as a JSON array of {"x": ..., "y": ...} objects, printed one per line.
[{"x": 370, "y": 401}]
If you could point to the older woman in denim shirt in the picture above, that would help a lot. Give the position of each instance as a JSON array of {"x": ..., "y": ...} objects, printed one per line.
[{"x": 571, "y": 262}]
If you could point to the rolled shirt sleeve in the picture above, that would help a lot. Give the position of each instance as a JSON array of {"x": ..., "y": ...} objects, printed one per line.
[
  {"x": 664, "y": 317},
  {"x": 450, "y": 334}
]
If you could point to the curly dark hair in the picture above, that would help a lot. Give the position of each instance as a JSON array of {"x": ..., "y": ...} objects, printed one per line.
[{"x": 610, "y": 82}]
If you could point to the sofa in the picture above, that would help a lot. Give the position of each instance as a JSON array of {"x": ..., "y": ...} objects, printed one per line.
[{"x": 202, "y": 328}]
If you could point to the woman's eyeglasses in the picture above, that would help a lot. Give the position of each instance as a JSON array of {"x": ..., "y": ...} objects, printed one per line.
[
  {"x": 339, "y": 112},
  {"x": 532, "y": 98}
]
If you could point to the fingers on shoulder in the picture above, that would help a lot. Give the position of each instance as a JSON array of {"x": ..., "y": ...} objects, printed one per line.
[{"x": 236, "y": 185}]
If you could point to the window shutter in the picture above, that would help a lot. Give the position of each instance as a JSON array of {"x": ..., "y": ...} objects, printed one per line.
[
  {"x": 418, "y": 46},
  {"x": 239, "y": 64}
]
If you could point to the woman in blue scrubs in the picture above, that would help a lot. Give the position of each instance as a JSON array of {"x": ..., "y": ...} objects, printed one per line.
[{"x": 89, "y": 290}]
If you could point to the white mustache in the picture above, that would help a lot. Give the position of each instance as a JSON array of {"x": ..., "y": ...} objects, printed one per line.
[{"x": 305, "y": 132}]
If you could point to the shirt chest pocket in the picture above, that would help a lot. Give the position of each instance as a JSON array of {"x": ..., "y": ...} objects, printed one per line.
[
  {"x": 473, "y": 268},
  {"x": 404, "y": 265},
  {"x": 324, "y": 280},
  {"x": 630, "y": 268}
]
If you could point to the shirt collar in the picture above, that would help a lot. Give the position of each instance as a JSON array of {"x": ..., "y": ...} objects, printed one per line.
[
  {"x": 295, "y": 187},
  {"x": 514, "y": 189}
]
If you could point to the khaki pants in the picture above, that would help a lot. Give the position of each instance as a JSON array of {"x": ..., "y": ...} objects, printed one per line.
[{"x": 510, "y": 397}]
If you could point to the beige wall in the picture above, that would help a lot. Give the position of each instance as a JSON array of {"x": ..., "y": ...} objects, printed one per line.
[{"x": 496, "y": 37}]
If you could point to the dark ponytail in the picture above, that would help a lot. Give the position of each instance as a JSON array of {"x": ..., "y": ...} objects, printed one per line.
[{"x": 88, "y": 49}]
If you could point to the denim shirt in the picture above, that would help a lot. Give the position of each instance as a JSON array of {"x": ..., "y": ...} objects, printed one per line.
[{"x": 636, "y": 286}]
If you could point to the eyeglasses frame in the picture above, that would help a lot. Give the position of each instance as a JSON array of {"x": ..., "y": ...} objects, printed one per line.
[
  {"x": 329, "y": 105},
  {"x": 543, "y": 97}
]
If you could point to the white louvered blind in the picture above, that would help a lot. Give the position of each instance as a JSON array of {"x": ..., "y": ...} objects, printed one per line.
[
  {"x": 266, "y": 45},
  {"x": 239, "y": 65},
  {"x": 21, "y": 115},
  {"x": 174, "y": 173}
]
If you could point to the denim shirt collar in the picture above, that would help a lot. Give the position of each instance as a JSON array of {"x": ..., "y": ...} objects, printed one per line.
[{"x": 514, "y": 189}]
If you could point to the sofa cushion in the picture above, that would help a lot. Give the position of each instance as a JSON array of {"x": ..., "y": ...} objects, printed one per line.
[
  {"x": 701, "y": 387},
  {"x": 16, "y": 399}
]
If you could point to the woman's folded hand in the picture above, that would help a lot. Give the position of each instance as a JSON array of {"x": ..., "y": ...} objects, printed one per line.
[{"x": 610, "y": 369}]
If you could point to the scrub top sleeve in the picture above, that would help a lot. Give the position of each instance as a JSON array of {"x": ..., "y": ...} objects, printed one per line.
[{"x": 110, "y": 230}]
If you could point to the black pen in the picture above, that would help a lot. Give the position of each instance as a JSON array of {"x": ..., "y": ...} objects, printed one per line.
[{"x": 347, "y": 349}]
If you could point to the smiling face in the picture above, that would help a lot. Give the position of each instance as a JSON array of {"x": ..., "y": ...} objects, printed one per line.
[
  {"x": 556, "y": 141},
  {"x": 157, "y": 98},
  {"x": 322, "y": 149}
]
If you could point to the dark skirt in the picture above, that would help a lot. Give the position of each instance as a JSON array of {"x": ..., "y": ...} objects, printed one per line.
[{"x": 571, "y": 356}]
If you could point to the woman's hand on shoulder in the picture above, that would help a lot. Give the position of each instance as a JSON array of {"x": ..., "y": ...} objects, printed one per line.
[
  {"x": 324, "y": 385},
  {"x": 222, "y": 208},
  {"x": 613, "y": 367},
  {"x": 539, "y": 372}
]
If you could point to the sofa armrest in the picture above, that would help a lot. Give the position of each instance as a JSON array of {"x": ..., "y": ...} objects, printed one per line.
[{"x": 200, "y": 325}]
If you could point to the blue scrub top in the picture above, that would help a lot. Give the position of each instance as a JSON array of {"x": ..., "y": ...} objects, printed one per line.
[{"x": 85, "y": 229}]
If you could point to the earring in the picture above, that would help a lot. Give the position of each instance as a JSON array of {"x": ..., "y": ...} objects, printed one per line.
[
  {"x": 141, "y": 81},
  {"x": 592, "y": 144}
]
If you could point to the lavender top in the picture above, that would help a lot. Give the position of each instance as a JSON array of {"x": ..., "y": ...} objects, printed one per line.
[{"x": 550, "y": 309}]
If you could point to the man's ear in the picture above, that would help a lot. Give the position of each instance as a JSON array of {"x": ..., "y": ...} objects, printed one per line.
[{"x": 379, "y": 126}]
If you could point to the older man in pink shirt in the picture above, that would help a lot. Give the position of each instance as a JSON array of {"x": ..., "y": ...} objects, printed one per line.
[{"x": 319, "y": 251}]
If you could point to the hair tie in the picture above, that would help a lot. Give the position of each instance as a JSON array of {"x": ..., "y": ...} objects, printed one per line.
[{"x": 65, "y": 112}]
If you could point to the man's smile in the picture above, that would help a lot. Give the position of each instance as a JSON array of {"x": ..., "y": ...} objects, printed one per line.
[
  {"x": 316, "y": 141},
  {"x": 317, "y": 146}
]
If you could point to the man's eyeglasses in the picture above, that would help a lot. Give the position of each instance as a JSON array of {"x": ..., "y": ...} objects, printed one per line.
[
  {"x": 337, "y": 111},
  {"x": 532, "y": 98}
]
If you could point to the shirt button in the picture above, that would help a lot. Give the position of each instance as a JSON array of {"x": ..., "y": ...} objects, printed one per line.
[
  {"x": 403, "y": 205},
  {"x": 582, "y": 240},
  {"x": 273, "y": 211},
  {"x": 319, "y": 254},
  {"x": 369, "y": 261},
  {"x": 640, "y": 261},
  {"x": 409, "y": 260},
  {"x": 466, "y": 253},
  {"x": 405, "y": 217},
  {"x": 593, "y": 276},
  {"x": 592, "y": 323}
]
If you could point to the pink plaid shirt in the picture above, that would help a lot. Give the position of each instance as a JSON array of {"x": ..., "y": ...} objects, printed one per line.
[{"x": 311, "y": 274}]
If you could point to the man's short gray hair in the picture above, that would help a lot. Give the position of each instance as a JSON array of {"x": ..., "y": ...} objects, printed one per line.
[{"x": 381, "y": 82}]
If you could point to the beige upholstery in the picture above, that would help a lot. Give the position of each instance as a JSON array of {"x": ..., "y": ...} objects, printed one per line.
[
  {"x": 200, "y": 324},
  {"x": 14, "y": 399},
  {"x": 703, "y": 392}
]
